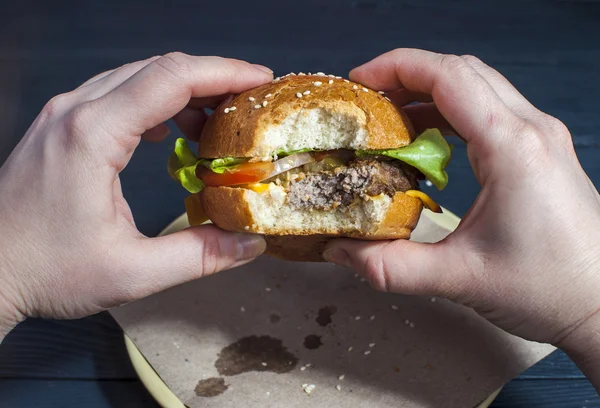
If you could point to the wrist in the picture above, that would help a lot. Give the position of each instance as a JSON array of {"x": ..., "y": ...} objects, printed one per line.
[
  {"x": 10, "y": 316},
  {"x": 10, "y": 313},
  {"x": 583, "y": 346}
]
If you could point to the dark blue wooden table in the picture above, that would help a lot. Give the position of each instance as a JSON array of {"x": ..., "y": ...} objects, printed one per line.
[{"x": 550, "y": 50}]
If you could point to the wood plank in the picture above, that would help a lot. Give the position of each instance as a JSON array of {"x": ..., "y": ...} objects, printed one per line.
[
  {"x": 74, "y": 394},
  {"x": 90, "y": 348},
  {"x": 131, "y": 394},
  {"x": 548, "y": 394}
]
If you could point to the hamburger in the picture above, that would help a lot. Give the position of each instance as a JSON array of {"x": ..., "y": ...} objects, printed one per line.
[{"x": 307, "y": 158}]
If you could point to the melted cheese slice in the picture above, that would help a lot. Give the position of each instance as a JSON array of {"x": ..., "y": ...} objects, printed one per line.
[
  {"x": 425, "y": 199},
  {"x": 194, "y": 210}
]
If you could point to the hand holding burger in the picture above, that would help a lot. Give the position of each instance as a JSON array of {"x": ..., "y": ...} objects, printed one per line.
[{"x": 307, "y": 158}]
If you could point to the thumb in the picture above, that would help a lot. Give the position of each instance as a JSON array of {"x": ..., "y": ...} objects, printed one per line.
[
  {"x": 159, "y": 263},
  {"x": 400, "y": 266}
]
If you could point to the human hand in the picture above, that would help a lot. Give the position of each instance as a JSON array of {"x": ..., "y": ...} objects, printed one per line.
[
  {"x": 526, "y": 255},
  {"x": 69, "y": 243}
]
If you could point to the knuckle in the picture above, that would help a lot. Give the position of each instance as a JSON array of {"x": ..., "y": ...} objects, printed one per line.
[
  {"x": 471, "y": 59},
  {"x": 558, "y": 128},
  {"x": 373, "y": 271},
  {"x": 210, "y": 252},
  {"x": 77, "y": 120},
  {"x": 175, "y": 64},
  {"x": 453, "y": 63},
  {"x": 56, "y": 106}
]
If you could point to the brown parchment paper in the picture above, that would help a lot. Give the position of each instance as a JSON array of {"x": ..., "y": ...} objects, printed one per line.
[{"x": 425, "y": 353}]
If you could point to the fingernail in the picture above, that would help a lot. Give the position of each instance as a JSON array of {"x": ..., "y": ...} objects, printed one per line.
[
  {"x": 263, "y": 68},
  {"x": 337, "y": 256},
  {"x": 249, "y": 246}
]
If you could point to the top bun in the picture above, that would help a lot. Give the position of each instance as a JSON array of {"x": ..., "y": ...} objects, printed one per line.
[{"x": 319, "y": 112}]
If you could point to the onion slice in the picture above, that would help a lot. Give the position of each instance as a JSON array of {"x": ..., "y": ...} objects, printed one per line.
[{"x": 291, "y": 162}]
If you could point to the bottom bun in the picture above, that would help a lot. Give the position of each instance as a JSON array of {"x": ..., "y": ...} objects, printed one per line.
[{"x": 301, "y": 235}]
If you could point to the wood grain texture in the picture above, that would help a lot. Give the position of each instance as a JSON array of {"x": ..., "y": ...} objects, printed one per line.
[{"x": 548, "y": 49}]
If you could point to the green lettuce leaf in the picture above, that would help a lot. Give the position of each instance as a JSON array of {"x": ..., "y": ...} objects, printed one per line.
[
  {"x": 429, "y": 153},
  {"x": 220, "y": 165},
  {"x": 283, "y": 153},
  {"x": 182, "y": 167}
]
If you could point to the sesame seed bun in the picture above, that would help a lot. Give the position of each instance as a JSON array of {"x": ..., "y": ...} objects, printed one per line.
[{"x": 293, "y": 112}]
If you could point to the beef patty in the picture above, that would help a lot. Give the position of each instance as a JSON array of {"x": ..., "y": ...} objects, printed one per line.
[{"x": 340, "y": 187}]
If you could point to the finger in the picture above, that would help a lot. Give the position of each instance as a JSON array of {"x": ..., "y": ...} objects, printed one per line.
[
  {"x": 462, "y": 96},
  {"x": 400, "y": 266},
  {"x": 191, "y": 121},
  {"x": 107, "y": 81},
  {"x": 507, "y": 92},
  {"x": 156, "y": 134},
  {"x": 210, "y": 102},
  {"x": 403, "y": 96},
  {"x": 424, "y": 116},
  {"x": 155, "y": 264},
  {"x": 164, "y": 87}
]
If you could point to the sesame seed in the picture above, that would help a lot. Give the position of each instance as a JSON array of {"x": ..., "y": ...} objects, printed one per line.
[
  {"x": 341, "y": 377},
  {"x": 277, "y": 79},
  {"x": 371, "y": 345},
  {"x": 354, "y": 87},
  {"x": 388, "y": 99},
  {"x": 302, "y": 368},
  {"x": 306, "y": 92},
  {"x": 268, "y": 289},
  {"x": 432, "y": 300},
  {"x": 406, "y": 322},
  {"x": 251, "y": 99},
  {"x": 365, "y": 89},
  {"x": 299, "y": 95},
  {"x": 345, "y": 80},
  {"x": 357, "y": 318},
  {"x": 242, "y": 309},
  {"x": 292, "y": 73},
  {"x": 226, "y": 110},
  {"x": 309, "y": 73},
  {"x": 232, "y": 108},
  {"x": 330, "y": 81},
  {"x": 428, "y": 183},
  {"x": 338, "y": 77},
  {"x": 317, "y": 83},
  {"x": 372, "y": 317},
  {"x": 247, "y": 227},
  {"x": 350, "y": 348},
  {"x": 301, "y": 73},
  {"x": 257, "y": 106},
  {"x": 366, "y": 353},
  {"x": 265, "y": 103},
  {"x": 338, "y": 387},
  {"x": 411, "y": 325},
  {"x": 320, "y": 74},
  {"x": 268, "y": 95},
  {"x": 394, "y": 307},
  {"x": 381, "y": 92},
  {"x": 307, "y": 365},
  {"x": 263, "y": 364},
  {"x": 304, "y": 385},
  {"x": 268, "y": 393}
]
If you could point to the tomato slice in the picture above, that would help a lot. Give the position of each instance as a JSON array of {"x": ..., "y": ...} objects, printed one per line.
[{"x": 241, "y": 174}]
